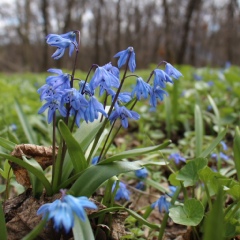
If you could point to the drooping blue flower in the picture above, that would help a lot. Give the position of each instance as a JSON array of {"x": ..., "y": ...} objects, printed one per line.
[
  {"x": 74, "y": 98},
  {"x": 110, "y": 68},
  {"x": 53, "y": 103},
  {"x": 141, "y": 89},
  {"x": 221, "y": 155},
  {"x": 172, "y": 190},
  {"x": 161, "y": 78},
  {"x": 177, "y": 158},
  {"x": 60, "y": 81},
  {"x": 141, "y": 173},
  {"x": 162, "y": 204},
  {"x": 140, "y": 186},
  {"x": 62, "y": 211},
  {"x": 123, "y": 57},
  {"x": 95, "y": 160},
  {"x": 46, "y": 91},
  {"x": 156, "y": 93},
  {"x": 122, "y": 192},
  {"x": 92, "y": 110},
  {"x": 123, "y": 113},
  {"x": 224, "y": 146},
  {"x": 123, "y": 97},
  {"x": 172, "y": 71},
  {"x": 86, "y": 88},
  {"x": 104, "y": 79},
  {"x": 62, "y": 42}
]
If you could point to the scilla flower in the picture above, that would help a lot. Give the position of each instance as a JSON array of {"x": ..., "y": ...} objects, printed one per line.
[
  {"x": 122, "y": 192},
  {"x": 142, "y": 89},
  {"x": 162, "y": 204},
  {"x": 123, "y": 113},
  {"x": 141, "y": 173},
  {"x": 123, "y": 57},
  {"x": 63, "y": 41},
  {"x": 177, "y": 158},
  {"x": 172, "y": 71},
  {"x": 62, "y": 211}
]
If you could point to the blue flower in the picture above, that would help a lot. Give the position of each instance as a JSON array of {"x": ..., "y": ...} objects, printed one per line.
[
  {"x": 104, "y": 79},
  {"x": 53, "y": 103},
  {"x": 224, "y": 146},
  {"x": 123, "y": 113},
  {"x": 210, "y": 83},
  {"x": 177, "y": 158},
  {"x": 221, "y": 155},
  {"x": 156, "y": 93},
  {"x": 123, "y": 97},
  {"x": 62, "y": 42},
  {"x": 62, "y": 211},
  {"x": 141, "y": 173},
  {"x": 172, "y": 71},
  {"x": 92, "y": 110},
  {"x": 13, "y": 127},
  {"x": 95, "y": 160},
  {"x": 142, "y": 89},
  {"x": 140, "y": 186},
  {"x": 46, "y": 91},
  {"x": 162, "y": 204},
  {"x": 197, "y": 77},
  {"x": 60, "y": 81},
  {"x": 74, "y": 98},
  {"x": 172, "y": 190},
  {"x": 160, "y": 78},
  {"x": 86, "y": 88},
  {"x": 122, "y": 192},
  {"x": 123, "y": 57},
  {"x": 110, "y": 68}
]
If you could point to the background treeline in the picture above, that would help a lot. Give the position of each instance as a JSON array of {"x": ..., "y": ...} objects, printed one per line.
[{"x": 196, "y": 32}]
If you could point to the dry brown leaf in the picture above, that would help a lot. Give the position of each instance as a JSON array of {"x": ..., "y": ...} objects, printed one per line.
[{"x": 42, "y": 154}]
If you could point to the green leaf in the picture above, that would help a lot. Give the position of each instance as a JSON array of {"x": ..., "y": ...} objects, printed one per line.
[
  {"x": 190, "y": 214},
  {"x": 94, "y": 176},
  {"x": 189, "y": 173},
  {"x": 215, "y": 218},
  {"x": 156, "y": 185},
  {"x": 74, "y": 149},
  {"x": 135, "y": 152},
  {"x": 236, "y": 151},
  {"x": 216, "y": 112},
  {"x": 33, "y": 170},
  {"x": 3, "y": 229},
  {"x": 25, "y": 124},
  {"x": 7, "y": 144},
  {"x": 214, "y": 143},
  {"x": 82, "y": 229},
  {"x": 132, "y": 213},
  {"x": 173, "y": 180},
  {"x": 214, "y": 179},
  {"x": 235, "y": 191},
  {"x": 198, "y": 129},
  {"x": 6, "y": 172},
  {"x": 86, "y": 133},
  {"x": 36, "y": 182}
]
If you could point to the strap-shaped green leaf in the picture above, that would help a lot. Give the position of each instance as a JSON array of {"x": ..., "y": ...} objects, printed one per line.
[
  {"x": 7, "y": 144},
  {"x": 39, "y": 174},
  {"x": 74, "y": 149},
  {"x": 214, "y": 143},
  {"x": 198, "y": 129},
  {"x": 25, "y": 124},
  {"x": 82, "y": 229},
  {"x": 132, "y": 213},
  {"x": 135, "y": 152},
  {"x": 94, "y": 176},
  {"x": 236, "y": 151}
]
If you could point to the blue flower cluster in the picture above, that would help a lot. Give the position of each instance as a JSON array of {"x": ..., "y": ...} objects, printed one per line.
[
  {"x": 162, "y": 204},
  {"x": 62, "y": 211},
  {"x": 59, "y": 93}
]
